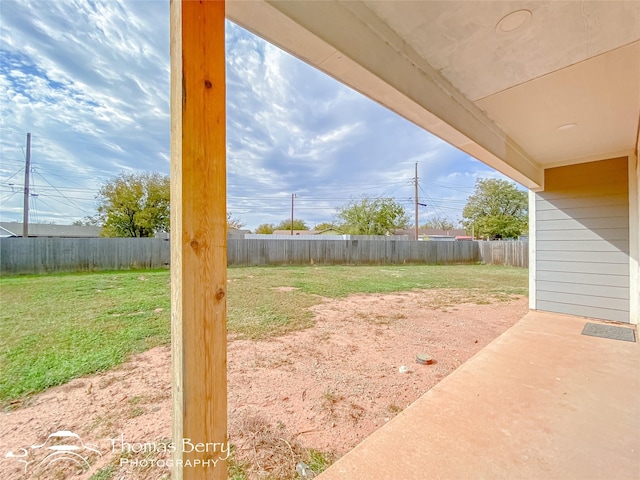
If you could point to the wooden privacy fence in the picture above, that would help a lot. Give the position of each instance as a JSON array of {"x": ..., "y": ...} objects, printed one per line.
[
  {"x": 514, "y": 254},
  {"x": 45, "y": 255},
  {"x": 48, "y": 255},
  {"x": 348, "y": 252}
]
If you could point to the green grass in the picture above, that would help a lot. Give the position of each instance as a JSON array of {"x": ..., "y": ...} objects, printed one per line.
[
  {"x": 54, "y": 328},
  {"x": 341, "y": 281},
  {"x": 319, "y": 461},
  {"x": 105, "y": 473},
  {"x": 58, "y": 327}
]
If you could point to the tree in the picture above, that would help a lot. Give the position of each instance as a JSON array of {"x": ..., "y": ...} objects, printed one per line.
[
  {"x": 134, "y": 205},
  {"x": 497, "y": 209},
  {"x": 371, "y": 216},
  {"x": 441, "y": 223},
  {"x": 324, "y": 226},
  {"x": 266, "y": 228},
  {"x": 234, "y": 222},
  {"x": 87, "y": 221},
  {"x": 297, "y": 225}
]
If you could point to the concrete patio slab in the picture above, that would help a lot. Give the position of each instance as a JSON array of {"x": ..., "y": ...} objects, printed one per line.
[{"x": 542, "y": 401}]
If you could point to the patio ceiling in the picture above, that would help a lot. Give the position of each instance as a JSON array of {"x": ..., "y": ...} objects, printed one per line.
[{"x": 562, "y": 88}]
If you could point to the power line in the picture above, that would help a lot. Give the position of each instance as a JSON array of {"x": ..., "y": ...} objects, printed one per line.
[
  {"x": 33, "y": 209},
  {"x": 51, "y": 207},
  {"x": 12, "y": 161},
  {"x": 86, "y": 176},
  {"x": 436, "y": 206},
  {"x": 66, "y": 204},
  {"x": 17, "y": 172},
  {"x": 68, "y": 197},
  {"x": 62, "y": 194},
  {"x": 5, "y": 199},
  {"x": 68, "y": 140},
  {"x": 453, "y": 186}
]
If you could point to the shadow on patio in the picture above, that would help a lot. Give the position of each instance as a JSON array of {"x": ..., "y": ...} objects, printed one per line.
[{"x": 542, "y": 401}]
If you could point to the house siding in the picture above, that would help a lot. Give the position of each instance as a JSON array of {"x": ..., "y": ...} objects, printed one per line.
[{"x": 582, "y": 241}]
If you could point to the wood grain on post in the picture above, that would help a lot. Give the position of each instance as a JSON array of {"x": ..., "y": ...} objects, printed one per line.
[{"x": 198, "y": 240}]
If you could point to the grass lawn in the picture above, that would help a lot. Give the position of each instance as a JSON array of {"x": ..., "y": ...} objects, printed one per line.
[{"x": 57, "y": 327}]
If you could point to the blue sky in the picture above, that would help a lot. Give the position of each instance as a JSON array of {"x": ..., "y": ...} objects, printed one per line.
[{"x": 90, "y": 81}]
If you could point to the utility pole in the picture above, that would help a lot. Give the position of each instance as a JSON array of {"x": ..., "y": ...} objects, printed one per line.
[
  {"x": 25, "y": 209},
  {"x": 293, "y": 195},
  {"x": 416, "y": 198}
]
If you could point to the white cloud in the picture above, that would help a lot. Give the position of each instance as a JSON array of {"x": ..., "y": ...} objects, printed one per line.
[
  {"x": 90, "y": 80},
  {"x": 75, "y": 74}
]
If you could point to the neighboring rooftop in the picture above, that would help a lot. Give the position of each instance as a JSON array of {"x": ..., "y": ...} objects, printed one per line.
[
  {"x": 295, "y": 232},
  {"x": 454, "y": 232},
  {"x": 14, "y": 229}
]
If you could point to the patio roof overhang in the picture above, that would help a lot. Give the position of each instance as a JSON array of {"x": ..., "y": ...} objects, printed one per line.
[{"x": 563, "y": 88}]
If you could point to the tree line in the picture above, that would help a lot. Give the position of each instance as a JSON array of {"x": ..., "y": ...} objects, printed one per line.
[{"x": 137, "y": 205}]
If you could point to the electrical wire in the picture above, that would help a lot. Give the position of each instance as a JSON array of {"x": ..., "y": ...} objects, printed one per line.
[
  {"x": 66, "y": 177},
  {"x": 63, "y": 195},
  {"x": 49, "y": 197},
  {"x": 7, "y": 180},
  {"x": 436, "y": 206},
  {"x": 6, "y": 199},
  {"x": 319, "y": 191},
  {"x": 33, "y": 196}
]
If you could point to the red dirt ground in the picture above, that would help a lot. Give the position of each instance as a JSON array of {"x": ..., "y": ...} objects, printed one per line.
[{"x": 324, "y": 388}]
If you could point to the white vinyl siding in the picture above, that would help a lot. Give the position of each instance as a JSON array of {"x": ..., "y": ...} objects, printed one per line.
[{"x": 582, "y": 241}]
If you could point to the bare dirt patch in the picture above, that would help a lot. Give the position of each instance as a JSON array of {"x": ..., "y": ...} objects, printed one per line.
[
  {"x": 285, "y": 289},
  {"x": 324, "y": 388}
]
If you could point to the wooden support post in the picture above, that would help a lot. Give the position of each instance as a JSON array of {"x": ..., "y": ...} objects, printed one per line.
[{"x": 198, "y": 240}]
